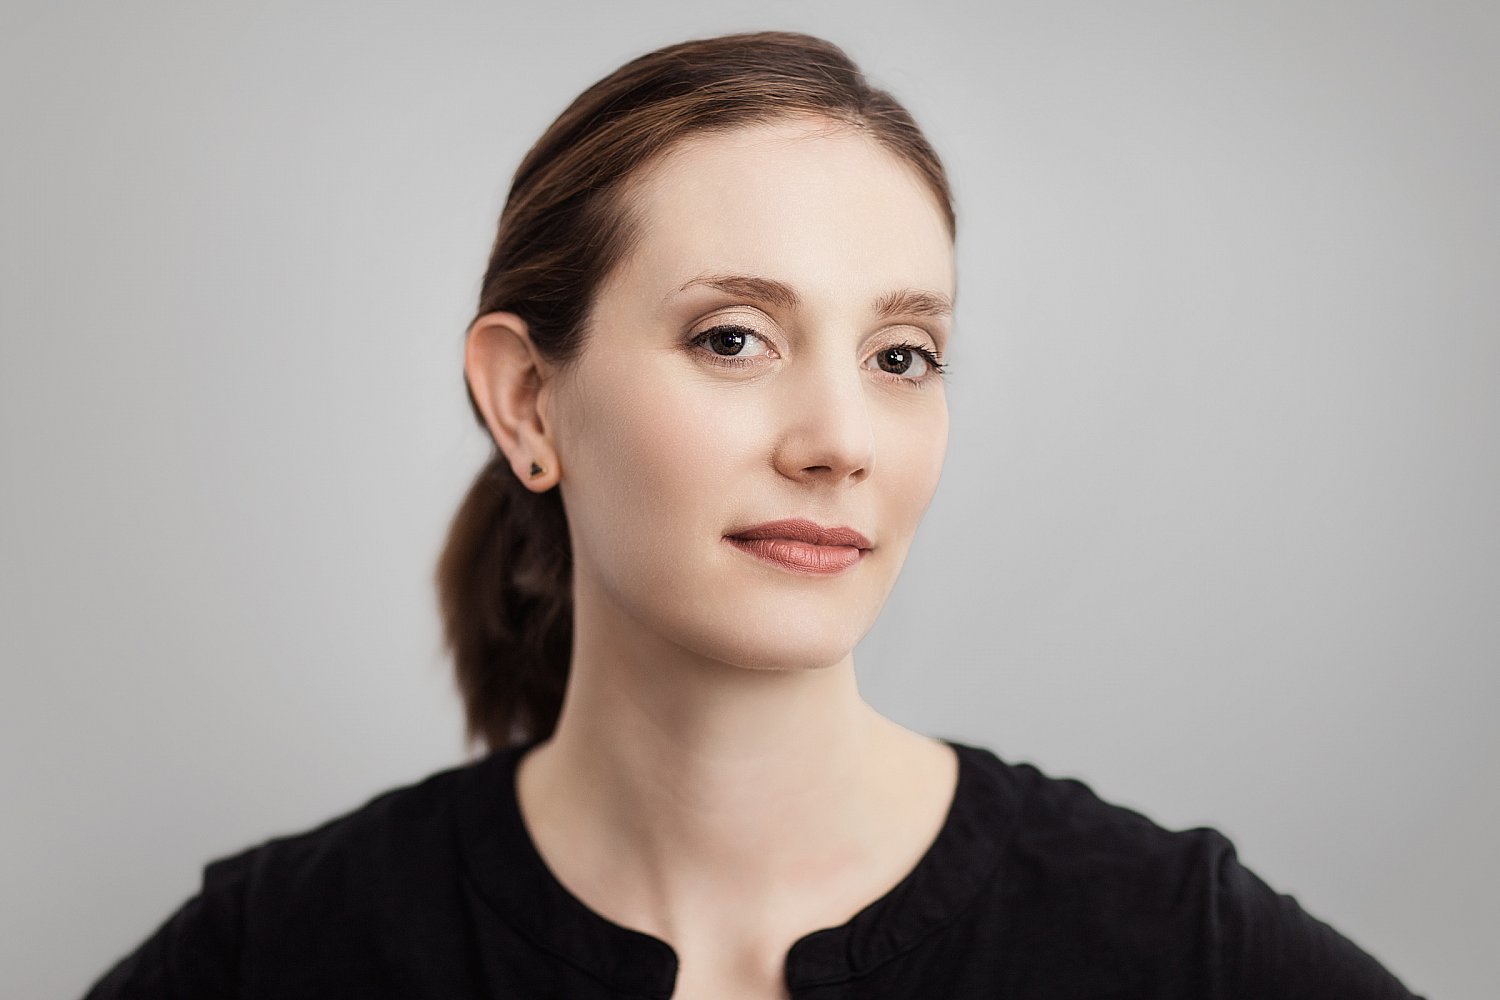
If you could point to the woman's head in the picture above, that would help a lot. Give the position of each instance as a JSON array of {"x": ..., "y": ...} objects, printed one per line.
[{"x": 672, "y": 402}]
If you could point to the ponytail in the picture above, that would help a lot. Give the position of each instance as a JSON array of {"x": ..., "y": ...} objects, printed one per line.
[{"x": 505, "y": 592}]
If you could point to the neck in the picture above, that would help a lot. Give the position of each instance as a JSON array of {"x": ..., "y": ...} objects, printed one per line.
[{"x": 674, "y": 782}]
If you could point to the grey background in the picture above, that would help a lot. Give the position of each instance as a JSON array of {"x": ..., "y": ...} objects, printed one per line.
[{"x": 1216, "y": 533}]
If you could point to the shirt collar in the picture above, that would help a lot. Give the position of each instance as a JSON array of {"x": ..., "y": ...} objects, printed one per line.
[{"x": 513, "y": 880}]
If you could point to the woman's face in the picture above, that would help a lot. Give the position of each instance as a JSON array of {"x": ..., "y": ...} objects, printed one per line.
[{"x": 668, "y": 442}]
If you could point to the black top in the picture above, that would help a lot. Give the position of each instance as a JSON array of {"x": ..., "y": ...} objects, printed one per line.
[{"x": 1034, "y": 888}]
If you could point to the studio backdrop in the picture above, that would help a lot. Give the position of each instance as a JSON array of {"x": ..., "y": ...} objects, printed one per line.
[{"x": 1217, "y": 527}]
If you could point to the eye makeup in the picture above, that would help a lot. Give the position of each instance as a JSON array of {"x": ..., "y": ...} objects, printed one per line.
[{"x": 931, "y": 361}]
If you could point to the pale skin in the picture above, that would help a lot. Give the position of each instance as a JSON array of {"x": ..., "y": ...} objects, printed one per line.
[{"x": 715, "y": 778}]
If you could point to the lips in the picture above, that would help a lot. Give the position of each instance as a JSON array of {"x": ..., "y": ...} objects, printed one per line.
[
  {"x": 802, "y": 530},
  {"x": 801, "y": 546}
]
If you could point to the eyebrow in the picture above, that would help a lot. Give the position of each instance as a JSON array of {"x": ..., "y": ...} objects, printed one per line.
[{"x": 901, "y": 302}]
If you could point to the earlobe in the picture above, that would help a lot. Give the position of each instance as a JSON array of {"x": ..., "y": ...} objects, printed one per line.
[{"x": 506, "y": 376}]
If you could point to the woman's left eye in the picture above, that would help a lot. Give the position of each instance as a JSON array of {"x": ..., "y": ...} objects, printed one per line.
[{"x": 902, "y": 357}]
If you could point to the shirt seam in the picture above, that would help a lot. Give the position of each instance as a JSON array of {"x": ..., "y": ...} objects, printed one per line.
[{"x": 539, "y": 945}]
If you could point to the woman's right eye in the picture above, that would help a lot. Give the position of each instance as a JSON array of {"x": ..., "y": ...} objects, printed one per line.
[{"x": 728, "y": 341}]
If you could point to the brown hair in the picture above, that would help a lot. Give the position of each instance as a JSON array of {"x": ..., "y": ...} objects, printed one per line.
[{"x": 505, "y": 575}]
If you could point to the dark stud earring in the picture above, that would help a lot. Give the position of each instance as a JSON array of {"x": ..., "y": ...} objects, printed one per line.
[{"x": 536, "y": 470}]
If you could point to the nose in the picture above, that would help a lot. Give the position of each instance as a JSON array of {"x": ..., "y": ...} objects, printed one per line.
[{"x": 826, "y": 435}]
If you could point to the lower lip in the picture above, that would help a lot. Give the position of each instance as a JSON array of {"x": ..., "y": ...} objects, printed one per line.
[{"x": 800, "y": 557}]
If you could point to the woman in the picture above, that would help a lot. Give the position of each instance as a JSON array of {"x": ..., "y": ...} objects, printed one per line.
[{"x": 708, "y": 350}]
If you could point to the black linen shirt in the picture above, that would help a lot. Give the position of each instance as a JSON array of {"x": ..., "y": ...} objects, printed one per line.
[{"x": 1034, "y": 889}]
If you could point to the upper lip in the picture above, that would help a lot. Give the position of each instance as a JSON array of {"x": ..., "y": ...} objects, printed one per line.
[{"x": 800, "y": 529}]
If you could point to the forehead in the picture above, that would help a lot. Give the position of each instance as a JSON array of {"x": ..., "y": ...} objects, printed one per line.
[{"x": 828, "y": 210}]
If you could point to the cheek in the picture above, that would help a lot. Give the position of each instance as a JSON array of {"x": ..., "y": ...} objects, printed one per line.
[
  {"x": 658, "y": 454},
  {"x": 909, "y": 460}
]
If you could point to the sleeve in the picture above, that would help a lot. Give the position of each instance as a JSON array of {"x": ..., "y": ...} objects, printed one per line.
[
  {"x": 195, "y": 953},
  {"x": 1265, "y": 945}
]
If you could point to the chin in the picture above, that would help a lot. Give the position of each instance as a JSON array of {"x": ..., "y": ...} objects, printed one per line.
[{"x": 773, "y": 647}]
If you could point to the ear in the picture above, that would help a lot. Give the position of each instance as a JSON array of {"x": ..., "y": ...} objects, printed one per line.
[{"x": 510, "y": 382}]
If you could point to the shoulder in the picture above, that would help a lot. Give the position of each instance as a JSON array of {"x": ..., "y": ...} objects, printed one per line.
[
  {"x": 402, "y": 829},
  {"x": 1098, "y": 886},
  {"x": 274, "y": 917},
  {"x": 1069, "y": 843},
  {"x": 371, "y": 826},
  {"x": 1051, "y": 811}
]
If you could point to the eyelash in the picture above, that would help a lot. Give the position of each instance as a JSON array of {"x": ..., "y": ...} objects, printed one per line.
[{"x": 935, "y": 365}]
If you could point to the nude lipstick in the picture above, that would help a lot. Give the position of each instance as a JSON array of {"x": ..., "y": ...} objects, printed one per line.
[{"x": 798, "y": 545}]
